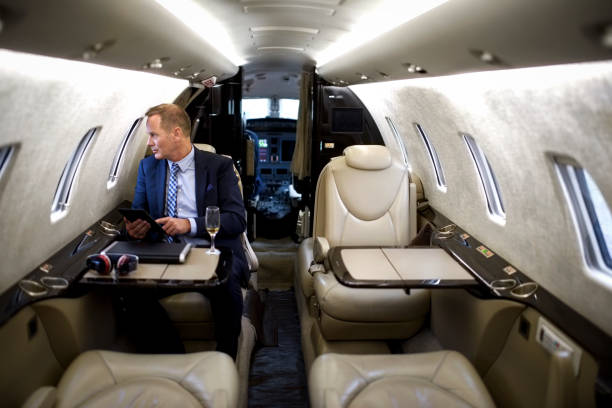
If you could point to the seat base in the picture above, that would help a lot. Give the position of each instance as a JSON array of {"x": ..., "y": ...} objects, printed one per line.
[{"x": 443, "y": 378}]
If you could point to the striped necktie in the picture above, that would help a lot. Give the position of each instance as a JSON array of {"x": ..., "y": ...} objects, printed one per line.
[{"x": 171, "y": 199}]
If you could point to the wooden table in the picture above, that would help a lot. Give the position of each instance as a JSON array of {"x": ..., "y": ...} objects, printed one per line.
[
  {"x": 398, "y": 267},
  {"x": 199, "y": 271}
]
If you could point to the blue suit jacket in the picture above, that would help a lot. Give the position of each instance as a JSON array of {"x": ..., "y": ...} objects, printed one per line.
[{"x": 216, "y": 184}]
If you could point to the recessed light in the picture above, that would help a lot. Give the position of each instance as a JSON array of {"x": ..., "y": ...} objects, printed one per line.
[
  {"x": 273, "y": 48},
  {"x": 486, "y": 56},
  {"x": 414, "y": 68},
  {"x": 317, "y": 9},
  {"x": 306, "y": 30}
]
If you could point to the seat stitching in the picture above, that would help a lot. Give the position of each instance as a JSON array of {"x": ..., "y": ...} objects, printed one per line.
[
  {"x": 436, "y": 386},
  {"x": 107, "y": 367},
  {"x": 439, "y": 366}
]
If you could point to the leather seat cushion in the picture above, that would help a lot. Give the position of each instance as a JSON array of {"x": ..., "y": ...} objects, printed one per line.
[
  {"x": 106, "y": 378},
  {"x": 369, "y": 305},
  {"x": 443, "y": 378},
  {"x": 187, "y": 307}
]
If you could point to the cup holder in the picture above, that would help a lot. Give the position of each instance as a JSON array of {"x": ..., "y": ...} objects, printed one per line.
[
  {"x": 503, "y": 284},
  {"x": 524, "y": 290},
  {"x": 32, "y": 288},
  {"x": 54, "y": 282},
  {"x": 446, "y": 231},
  {"x": 109, "y": 229}
]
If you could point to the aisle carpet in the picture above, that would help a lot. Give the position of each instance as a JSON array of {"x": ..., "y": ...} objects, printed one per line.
[{"x": 277, "y": 377}]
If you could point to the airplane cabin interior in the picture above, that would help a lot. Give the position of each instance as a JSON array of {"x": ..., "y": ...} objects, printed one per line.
[{"x": 426, "y": 190}]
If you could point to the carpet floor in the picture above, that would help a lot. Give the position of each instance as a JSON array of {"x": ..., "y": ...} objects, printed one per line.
[{"x": 277, "y": 377}]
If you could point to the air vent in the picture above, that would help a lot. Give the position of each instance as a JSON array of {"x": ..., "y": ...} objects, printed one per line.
[
  {"x": 433, "y": 155},
  {"x": 488, "y": 180},
  {"x": 64, "y": 190},
  {"x": 118, "y": 160}
]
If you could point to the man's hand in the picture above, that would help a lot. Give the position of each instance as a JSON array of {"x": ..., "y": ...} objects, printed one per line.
[
  {"x": 174, "y": 226},
  {"x": 137, "y": 229}
]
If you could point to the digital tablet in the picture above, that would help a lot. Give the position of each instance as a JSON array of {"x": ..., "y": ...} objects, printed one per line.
[{"x": 135, "y": 214}]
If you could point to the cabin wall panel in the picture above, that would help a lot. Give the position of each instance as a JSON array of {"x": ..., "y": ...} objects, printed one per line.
[
  {"x": 517, "y": 117},
  {"x": 47, "y": 105}
]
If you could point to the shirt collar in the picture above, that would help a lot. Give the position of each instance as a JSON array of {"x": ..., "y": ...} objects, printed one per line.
[{"x": 186, "y": 162}]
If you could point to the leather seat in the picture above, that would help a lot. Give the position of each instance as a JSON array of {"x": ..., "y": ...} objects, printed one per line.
[
  {"x": 363, "y": 198},
  {"x": 438, "y": 379},
  {"x": 110, "y": 379}
]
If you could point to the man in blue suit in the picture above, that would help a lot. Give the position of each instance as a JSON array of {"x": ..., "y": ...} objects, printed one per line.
[{"x": 203, "y": 179}]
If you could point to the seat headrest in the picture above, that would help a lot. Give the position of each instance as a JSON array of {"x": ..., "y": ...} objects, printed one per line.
[
  {"x": 367, "y": 157},
  {"x": 205, "y": 147}
]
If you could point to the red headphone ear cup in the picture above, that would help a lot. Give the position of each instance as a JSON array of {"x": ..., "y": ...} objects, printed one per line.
[
  {"x": 126, "y": 264},
  {"x": 100, "y": 263}
]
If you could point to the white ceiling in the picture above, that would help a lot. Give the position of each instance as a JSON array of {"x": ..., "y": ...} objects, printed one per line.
[{"x": 280, "y": 38}]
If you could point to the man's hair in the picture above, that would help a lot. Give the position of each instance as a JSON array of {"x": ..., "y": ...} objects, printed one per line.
[{"x": 172, "y": 115}]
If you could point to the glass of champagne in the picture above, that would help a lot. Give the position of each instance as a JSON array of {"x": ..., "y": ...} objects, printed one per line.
[{"x": 213, "y": 223}]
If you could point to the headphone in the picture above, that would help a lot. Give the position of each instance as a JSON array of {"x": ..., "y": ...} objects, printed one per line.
[{"x": 102, "y": 264}]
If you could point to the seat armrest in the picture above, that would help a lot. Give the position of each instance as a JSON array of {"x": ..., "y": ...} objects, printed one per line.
[
  {"x": 44, "y": 397},
  {"x": 320, "y": 249}
]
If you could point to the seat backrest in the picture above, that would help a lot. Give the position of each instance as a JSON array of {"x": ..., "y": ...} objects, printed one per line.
[
  {"x": 363, "y": 198},
  {"x": 206, "y": 147}
]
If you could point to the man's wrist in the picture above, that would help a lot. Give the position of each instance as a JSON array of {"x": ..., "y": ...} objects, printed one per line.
[{"x": 194, "y": 227}]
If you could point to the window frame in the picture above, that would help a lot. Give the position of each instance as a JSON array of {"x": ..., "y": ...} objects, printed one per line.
[
  {"x": 586, "y": 222},
  {"x": 117, "y": 164},
  {"x": 65, "y": 186},
  {"x": 490, "y": 185},
  {"x": 399, "y": 141},
  {"x": 6, "y": 155},
  {"x": 433, "y": 156}
]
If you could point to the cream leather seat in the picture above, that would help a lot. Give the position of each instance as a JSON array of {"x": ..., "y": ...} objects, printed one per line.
[
  {"x": 363, "y": 198},
  {"x": 438, "y": 379},
  {"x": 110, "y": 379}
]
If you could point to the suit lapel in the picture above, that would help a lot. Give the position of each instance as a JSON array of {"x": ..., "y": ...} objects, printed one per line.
[
  {"x": 160, "y": 183},
  {"x": 201, "y": 180}
]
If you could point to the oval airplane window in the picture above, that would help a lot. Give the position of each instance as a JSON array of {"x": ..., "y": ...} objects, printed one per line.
[
  {"x": 591, "y": 214},
  {"x": 61, "y": 200},
  {"x": 6, "y": 153},
  {"x": 399, "y": 141},
  {"x": 488, "y": 180},
  {"x": 599, "y": 213},
  {"x": 433, "y": 155},
  {"x": 118, "y": 160}
]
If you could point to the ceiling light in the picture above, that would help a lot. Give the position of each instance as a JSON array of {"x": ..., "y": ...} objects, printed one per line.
[
  {"x": 486, "y": 57},
  {"x": 324, "y": 10},
  {"x": 280, "y": 48},
  {"x": 414, "y": 69},
  {"x": 205, "y": 25},
  {"x": 363, "y": 76},
  {"x": 306, "y": 30},
  {"x": 387, "y": 16}
]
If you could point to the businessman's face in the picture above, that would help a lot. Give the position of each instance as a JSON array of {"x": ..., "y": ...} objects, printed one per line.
[{"x": 160, "y": 140}]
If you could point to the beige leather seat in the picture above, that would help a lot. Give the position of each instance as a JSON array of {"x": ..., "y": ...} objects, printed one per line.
[
  {"x": 363, "y": 198},
  {"x": 111, "y": 379},
  {"x": 438, "y": 379}
]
